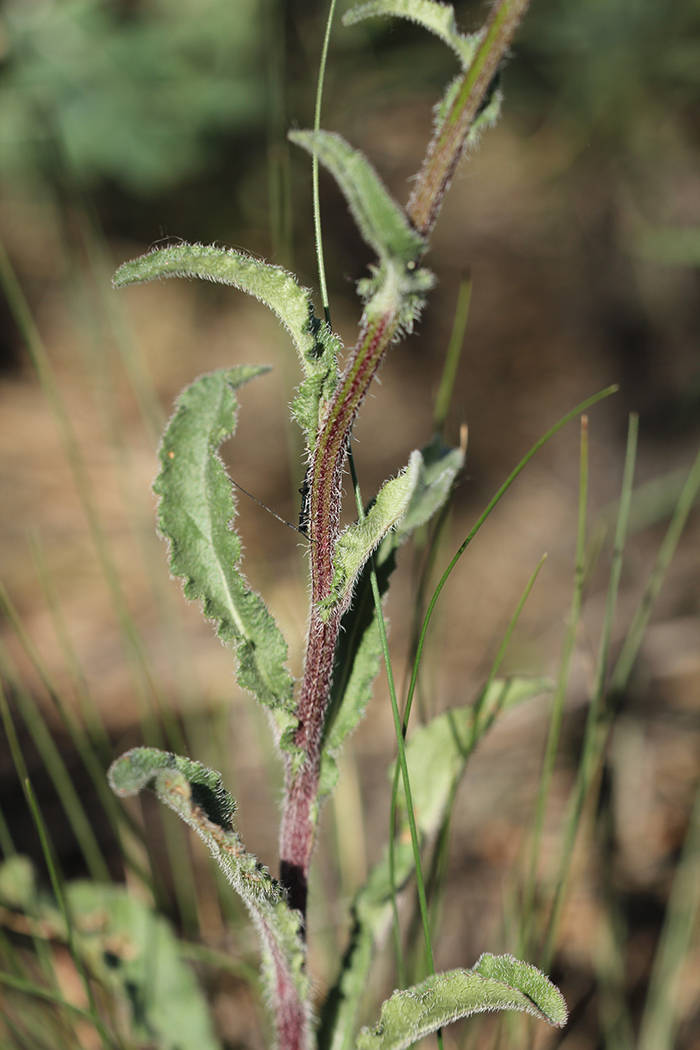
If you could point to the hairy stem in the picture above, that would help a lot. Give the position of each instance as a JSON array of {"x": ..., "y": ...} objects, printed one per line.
[
  {"x": 447, "y": 146},
  {"x": 325, "y": 477}
]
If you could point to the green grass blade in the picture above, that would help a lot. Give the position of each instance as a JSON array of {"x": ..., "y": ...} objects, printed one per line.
[
  {"x": 318, "y": 237},
  {"x": 93, "y": 760},
  {"x": 36, "y": 991},
  {"x": 57, "y": 771},
  {"x": 661, "y": 1017},
  {"x": 144, "y": 681},
  {"x": 592, "y": 736},
  {"x": 107, "y": 1041},
  {"x": 633, "y": 640},
  {"x": 485, "y": 514},
  {"x": 485, "y": 713},
  {"x": 437, "y": 755},
  {"x": 557, "y": 712},
  {"x": 454, "y": 353}
]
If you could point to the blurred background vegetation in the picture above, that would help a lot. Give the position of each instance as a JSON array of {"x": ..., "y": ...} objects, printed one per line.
[{"x": 124, "y": 122}]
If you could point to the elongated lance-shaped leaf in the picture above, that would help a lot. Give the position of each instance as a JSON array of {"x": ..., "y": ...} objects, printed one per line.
[
  {"x": 194, "y": 514},
  {"x": 358, "y": 541},
  {"x": 437, "y": 18},
  {"x": 437, "y": 756},
  {"x": 382, "y": 222},
  {"x": 197, "y": 795},
  {"x": 495, "y": 983},
  {"x": 399, "y": 284},
  {"x": 316, "y": 345},
  {"x": 358, "y": 656}
]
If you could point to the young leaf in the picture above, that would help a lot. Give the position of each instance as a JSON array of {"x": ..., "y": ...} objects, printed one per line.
[
  {"x": 358, "y": 656},
  {"x": 194, "y": 515},
  {"x": 197, "y": 795},
  {"x": 399, "y": 284},
  {"x": 316, "y": 345},
  {"x": 382, "y": 222},
  {"x": 495, "y": 983},
  {"x": 358, "y": 541},
  {"x": 437, "y": 18}
]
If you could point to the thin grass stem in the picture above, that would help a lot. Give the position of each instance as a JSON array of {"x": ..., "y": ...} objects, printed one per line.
[
  {"x": 557, "y": 713},
  {"x": 318, "y": 237},
  {"x": 56, "y": 883},
  {"x": 453, "y": 356},
  {"x": 660, "y": 1019},
  {"x": 594, "y": 731},
  {"x": 633, "y": 640}
]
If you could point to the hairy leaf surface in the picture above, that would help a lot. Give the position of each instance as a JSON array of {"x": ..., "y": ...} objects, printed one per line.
[
  {"x": 358, "y": 541},
  {"x": 495, "y": 983},
  {"x": 197, "y": 795},
  {"x": 194, "y": 514},
  {"x": 382, "y": 222},
  {"x": 398, "y": 285},
  {"x": 316, "y": 345}
]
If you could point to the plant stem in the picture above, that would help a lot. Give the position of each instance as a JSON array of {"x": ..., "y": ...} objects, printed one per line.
[
  {"x": 328, "y": 460},
  {"x": 448, "y": 143}
]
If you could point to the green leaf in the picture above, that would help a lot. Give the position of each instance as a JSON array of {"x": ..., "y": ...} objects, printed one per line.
[
  {"x": 437, "y": 756},
  {"x": 399, "y": 284},
  {"x": 197, "y": 795},
  {"x": 495, "y": 983},
  {"x": 358, "y": 541},
  {"x": 437, "y": 752},
  {"x": 194, "y": 514},
  {"x": 18, "y": 884},
  {"x": 315, "y": 344},
  {"x": 437, "y": 18},
  {"x": 136, "y": 953},
  {"x": 440, "y": 468},
  {"x": 358, "y": 655},
  {"x": 128, "y": 948}
]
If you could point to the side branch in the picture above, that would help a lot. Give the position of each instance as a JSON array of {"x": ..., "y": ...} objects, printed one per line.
[{"x": 447, "y": 146}]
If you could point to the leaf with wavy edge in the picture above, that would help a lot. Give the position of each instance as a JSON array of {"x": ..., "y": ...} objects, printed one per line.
[
  {"x": 194, "y": 514},
  {"x": 495, "y": 983},
  {"x": 437, "y": 755},
  {"x": 357, "y": 542},
  {"x": 316, "y": 345},
  {"x": 197, "y": 795},
  {"x": 399, "y": 284},
  {"x": 437, "y": 18}
]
